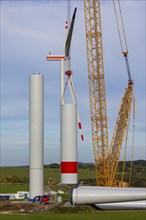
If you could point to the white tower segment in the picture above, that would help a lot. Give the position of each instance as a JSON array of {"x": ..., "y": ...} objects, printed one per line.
[
  {"x": 68, "y": 129},
  {"x": 36, "y": 135}
]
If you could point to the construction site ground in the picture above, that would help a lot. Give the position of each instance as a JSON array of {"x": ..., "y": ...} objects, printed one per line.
[{"x": 25, "y": 206}]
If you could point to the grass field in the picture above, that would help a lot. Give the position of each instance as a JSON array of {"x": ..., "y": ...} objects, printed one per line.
[
  {"x": 54, "y": 173},
  {"x": 24, "y": 171},
  {"x": 13, "y": 188},
  {"x": 14, "y": 171},
  {"x": 104, "y": 215}
]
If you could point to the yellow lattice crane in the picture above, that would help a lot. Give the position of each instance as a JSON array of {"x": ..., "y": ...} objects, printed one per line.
[
  {"x": 97, "y": 89},
  {"x": 106, "y": 160},
  {"x": 119, "y": 132}
]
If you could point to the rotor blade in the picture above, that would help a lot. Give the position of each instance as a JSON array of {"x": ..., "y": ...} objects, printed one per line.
[{"x": 69, "y": 36}]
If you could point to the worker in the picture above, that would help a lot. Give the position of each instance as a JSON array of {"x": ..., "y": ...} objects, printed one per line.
[{"x": 50, "y": 181}]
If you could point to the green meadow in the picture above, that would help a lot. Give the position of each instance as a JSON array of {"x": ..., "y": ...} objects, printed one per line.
[
  {"x": 100, "y": 215},
  {"x": 54, "y": 173}
]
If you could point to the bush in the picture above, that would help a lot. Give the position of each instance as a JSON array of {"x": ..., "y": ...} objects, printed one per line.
[
  {"x": 54, "y": 165},
  {"x": 14, "y": 179}
]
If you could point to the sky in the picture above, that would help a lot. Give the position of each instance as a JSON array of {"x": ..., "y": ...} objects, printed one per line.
[{"x": 32, "y": 28}]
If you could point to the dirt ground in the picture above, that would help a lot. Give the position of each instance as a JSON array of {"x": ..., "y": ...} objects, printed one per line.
[{"x": 24, "y": 206}]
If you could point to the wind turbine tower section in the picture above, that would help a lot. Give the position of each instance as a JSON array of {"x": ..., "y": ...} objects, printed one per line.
[
  {"x": 68, "y": 130},
  {"x": 36, "y": 135}
]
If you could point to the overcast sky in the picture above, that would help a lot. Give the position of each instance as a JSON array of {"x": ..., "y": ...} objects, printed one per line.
[{"x": 29, "y": 30}]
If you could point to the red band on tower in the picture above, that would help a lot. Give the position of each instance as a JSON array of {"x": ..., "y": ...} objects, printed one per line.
[{"x": 69, "y": 167}]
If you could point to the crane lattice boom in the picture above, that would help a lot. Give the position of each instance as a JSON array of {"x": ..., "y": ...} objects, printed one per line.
[
  {"x": 97, "y": 88},
  {"x": 119, "y": 132}
]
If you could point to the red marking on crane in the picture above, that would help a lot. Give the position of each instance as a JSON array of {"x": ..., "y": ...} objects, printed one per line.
[
  {"x": 69, "y": 167},
  {"x": 79, "y": 125},
  {"x": 55, "y": 57}
]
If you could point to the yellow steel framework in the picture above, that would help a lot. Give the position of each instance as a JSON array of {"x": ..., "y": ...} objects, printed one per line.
[
  {"x": 106, "y": 160},
  {"x": 119, "y": 131},
  {"x": 97, "y": 89}
]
